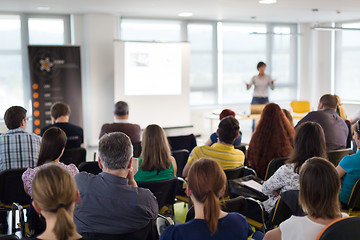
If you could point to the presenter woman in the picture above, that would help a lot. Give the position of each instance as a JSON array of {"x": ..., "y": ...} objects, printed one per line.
[{"x": 261, "y": 83}]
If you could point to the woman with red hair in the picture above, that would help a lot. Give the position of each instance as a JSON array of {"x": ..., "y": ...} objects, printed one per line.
[{"x": 273, "y": 138}]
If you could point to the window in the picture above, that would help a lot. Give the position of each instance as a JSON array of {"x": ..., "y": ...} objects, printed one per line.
[
  {"x": 243, "y": 46},
  {"x": 46, "y": 31},
  {"x": 347, "y": 71},
  {"x": 11, "y": 82},
  {"x": 202, "y": 77},
  {"x": 50, "y": 30}
]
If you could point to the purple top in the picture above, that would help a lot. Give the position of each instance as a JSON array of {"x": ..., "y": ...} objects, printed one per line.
[{"x": 29, "y": 174}]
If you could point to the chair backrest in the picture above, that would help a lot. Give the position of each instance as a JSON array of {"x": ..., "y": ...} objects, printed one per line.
[
  {"x": 9, "y": 237},
  {"x": 149, "y": 232},
  {"x": 300, "y": 106},
  {"x": 12, "y": 188},
  {"x": 336, "y": 155},
  {"x": 255, "y": 214},
  {"x": 74, "y": 155},
  {"x": 90, "y": 167},
  {"x": 274, "y": 165},
  {"x": 343, "y": 228},
  {"x": 237, "y": 204},
  {"x": 256, "y": 108},
  {"x": 164, "y": 190},
  {"x": 286, "y": 206},
  {"x": 181, "y": 157},
  {"x": 187, "y": 142},
  {"x": 354, "y": 200},
  {"x": 238, "y": 172},
  {"x": 241, "y": 148},
  {"x": 136, "y": 149}
]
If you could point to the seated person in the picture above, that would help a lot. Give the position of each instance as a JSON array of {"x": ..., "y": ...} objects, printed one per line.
[
  {"x": 273, "y": 138},
  {"x": 289, "y": 116},
  {"x": 60, "y": 114},
  {"x": 121, "y": 124},
  {"x": 335, "y": 129},
  {"x": 111, "y": 202},
  {"x": 51, "y": 149},
  {"x": 309, "y": 142},
  {"x": 206, "y": 183},
  {"x": 16, "y": 140},
  {"x": 55, "y": 194},
  {"x": 155, "y": 162},
  {"x": 319, "y": 198},
  {"x": 349, "y": 168},
  {"x": 214, "y": 137},
  {"x": 222, "y": 152}
]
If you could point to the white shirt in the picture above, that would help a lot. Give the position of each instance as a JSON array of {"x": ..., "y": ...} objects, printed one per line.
[
  {"x": 261, "y": 85},
  {"x": 301, "y": 228}
]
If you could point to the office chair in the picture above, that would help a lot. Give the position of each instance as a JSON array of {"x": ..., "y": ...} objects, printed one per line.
[
  {"x": 274, "y": 165},
  {"x": 343, "y": 228},
  {"x": 90, "y": 167},
  {"x": 74, "y": 155}
]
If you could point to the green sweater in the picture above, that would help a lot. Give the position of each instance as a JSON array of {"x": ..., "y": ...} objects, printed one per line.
[{"x": 155, "y": 175}]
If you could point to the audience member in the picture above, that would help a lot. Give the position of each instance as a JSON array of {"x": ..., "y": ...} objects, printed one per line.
[
  {"x": 19, "y": 149},
  {"x": 222, "y": 152},
  {"x": 335, "y": 129},
  {"x": 155, "y": 162},
  {"x": 289, "y": 117},
  {"x": 273, "y": 138},
  {"x": 111, "y": 202},
  {"x": 319, "y": 198},
  {"x": 52, "y": 147},
  {"x": 121, "y": 124},
  {"x": 349, "y": 168},
  {"x": 214, "y": 137},
  {"x": 55, "y": 195},
  {"x": 309, "y": 142},
  {"x": 340, "y": 110},
  {"x": 206, "y": 183},
  {"x": 60, "y": 114}
]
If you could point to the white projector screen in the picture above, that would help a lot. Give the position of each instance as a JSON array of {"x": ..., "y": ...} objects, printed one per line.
[
  {"x": 152, "y": 69},
  {"x": 154, "y": 79}
]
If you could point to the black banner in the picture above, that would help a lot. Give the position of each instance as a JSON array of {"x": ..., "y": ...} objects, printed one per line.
[{"x": 55, "y": 75}]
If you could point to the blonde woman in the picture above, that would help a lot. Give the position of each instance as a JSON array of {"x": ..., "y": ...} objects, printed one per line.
[
  {"x": 55, "y": 193},
  {"x": 155, "y": 162}
]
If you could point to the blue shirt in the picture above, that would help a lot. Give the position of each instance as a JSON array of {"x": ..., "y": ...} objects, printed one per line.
[
  {"x": 108, "y": 204},
  {"x": 214, "y": 139},
  {"x": 232, "y": 226},
  {"x": 351, "y": 165}
]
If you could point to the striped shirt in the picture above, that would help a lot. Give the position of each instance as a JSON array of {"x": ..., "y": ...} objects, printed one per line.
[
  {"x": 18, "y": 149},
  {"x": 227, "y": 156}
]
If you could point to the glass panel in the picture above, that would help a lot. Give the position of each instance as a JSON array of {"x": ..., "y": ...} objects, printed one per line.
[
  {"x": 46, "y": 31},
  {"x": 350, "y": 38},
  {"x": 282, "y": 94},
  {"x": 10, "y": 32},
  {"x": 11, "y": 84},
  {"x": 200, "y": 36},
  {"x": 202, "y": 98},
  {"x": 150, "y": 30},
  {"x": 201, "y": 70}
]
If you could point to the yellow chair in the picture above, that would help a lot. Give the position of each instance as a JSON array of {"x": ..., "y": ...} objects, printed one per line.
[{"x": 301, "y": 108}]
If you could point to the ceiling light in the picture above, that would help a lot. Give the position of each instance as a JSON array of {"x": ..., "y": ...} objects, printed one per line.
[
  {"x": 43, "y": 8},
  {"x": 267, "y": 1},
  {"x": 185, "y": 14}
]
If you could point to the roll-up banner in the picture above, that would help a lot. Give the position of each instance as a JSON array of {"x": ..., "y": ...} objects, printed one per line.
[{"x": 55, "y": 74}]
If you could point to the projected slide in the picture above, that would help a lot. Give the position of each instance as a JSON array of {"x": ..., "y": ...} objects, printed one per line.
[{"x": 152, "y": 68}]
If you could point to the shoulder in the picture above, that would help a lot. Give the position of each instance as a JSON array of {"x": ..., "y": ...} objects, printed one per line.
[
  {"x": 71, "y": 168},
  {"x": 84, "y": 177},
  {"x": 290, "y": 223},
  {"x": 235, "y": 217},
  {"x": 29, "y": 172},
  {"x": 44, "y": 129},
  {"x": 348, "y": 161}
]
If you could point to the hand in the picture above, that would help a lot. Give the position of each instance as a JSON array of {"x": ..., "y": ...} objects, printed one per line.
[
  {"x": 276, "y": 192},
  {"x": 272, "y": 82},
  {"x": 130, "y": 177},
  {"x": 247, "y": 85}
]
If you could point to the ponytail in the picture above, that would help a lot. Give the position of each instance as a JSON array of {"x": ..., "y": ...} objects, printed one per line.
[
  {"x": 211, "y": 211},
  {"x": 64, "y": 227}
]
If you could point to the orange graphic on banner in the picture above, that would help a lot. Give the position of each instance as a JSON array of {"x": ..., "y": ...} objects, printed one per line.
[
  {"x": 35, "y": 86},
  {"x": 37, "y": 122},
  {"x": 35, "y": 95},
  {"x": 37, "y": 131},
  {"x": 36, "y": 113},
  {"x": 36, "y": 104}
]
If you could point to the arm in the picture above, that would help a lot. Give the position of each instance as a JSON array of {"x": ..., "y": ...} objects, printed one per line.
[
  {"x": 130, "y": 176},
  {"x": 208, "y": 142},
  {"x": 186, "y": 170},
  {"x": 271, "y": 84},
  {"x": 274, "y": 183},
  {"x": 248, "y": 85},
  {"x": 273, "y": 234},
  {"x": 340, "y": 171},
  {"x": 173, "y": 161}
]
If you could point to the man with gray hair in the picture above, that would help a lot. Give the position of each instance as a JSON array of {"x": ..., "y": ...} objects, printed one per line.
[
  {"x": 121, "y": 123},
  {"x": 111, "y": 202}
]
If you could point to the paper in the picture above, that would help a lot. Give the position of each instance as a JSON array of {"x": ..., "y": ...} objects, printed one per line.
[{"x": 252, "y": 184}]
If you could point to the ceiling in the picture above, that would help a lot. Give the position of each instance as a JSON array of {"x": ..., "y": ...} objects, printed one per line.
[{"x": 228, "y": 10}]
